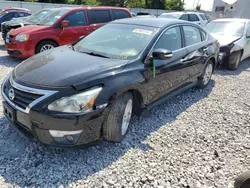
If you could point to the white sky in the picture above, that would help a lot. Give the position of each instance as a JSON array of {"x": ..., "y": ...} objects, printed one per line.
[{"x": 205, "y": 4}]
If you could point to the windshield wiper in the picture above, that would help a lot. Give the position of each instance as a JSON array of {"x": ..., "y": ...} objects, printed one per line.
[{"x": 95, "y": 54}]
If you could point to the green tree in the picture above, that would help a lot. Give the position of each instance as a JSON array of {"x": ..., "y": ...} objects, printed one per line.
[
  {"x": 174, "y": 5},
  {"x": 135, "y": 4}
]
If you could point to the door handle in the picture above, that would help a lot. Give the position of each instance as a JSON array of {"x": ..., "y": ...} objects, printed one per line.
[{"x": 183, "y": 60}]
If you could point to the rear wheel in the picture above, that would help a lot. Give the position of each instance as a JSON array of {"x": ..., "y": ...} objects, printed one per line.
[
  {"x": 207, "y": 74},
  {"x": 45, "y": 45},
  {"x": 243, "y": 181},
  {"x": 236, "y": 60},
  {"x": 117, "y": 122}
]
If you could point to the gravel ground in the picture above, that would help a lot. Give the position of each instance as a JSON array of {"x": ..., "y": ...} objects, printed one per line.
[{"x": 199, "y": 139}]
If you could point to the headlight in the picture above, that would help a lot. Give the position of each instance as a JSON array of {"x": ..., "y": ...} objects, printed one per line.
[
  {"x": 22, "y": 37},
  {"x": 82, "y": 102}
]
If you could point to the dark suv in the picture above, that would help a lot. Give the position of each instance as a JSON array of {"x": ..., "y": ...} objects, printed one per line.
[
  {"x": 31, "y": 20},
  {"x": 8, "y": 15}
]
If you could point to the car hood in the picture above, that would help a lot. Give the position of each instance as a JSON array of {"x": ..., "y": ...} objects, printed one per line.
[
  {"x": 27, "y": 29},
  {"x": 225, "y": 40},
  {"x": 62, "y": 67}
]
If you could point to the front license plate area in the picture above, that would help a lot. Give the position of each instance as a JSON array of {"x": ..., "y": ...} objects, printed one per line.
[{"x": 9, "y": 112}]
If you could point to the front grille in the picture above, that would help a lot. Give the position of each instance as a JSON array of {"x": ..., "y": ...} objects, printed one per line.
[
  {"x": 21, "y": 98},
  {"x": 5, "y": 30}
]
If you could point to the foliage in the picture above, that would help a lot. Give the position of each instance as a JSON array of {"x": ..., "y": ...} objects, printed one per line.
[
  {"x": 198, "y": 7},
  {"x": 174, "y": 5},
  {"x": 152, "y": 4}
]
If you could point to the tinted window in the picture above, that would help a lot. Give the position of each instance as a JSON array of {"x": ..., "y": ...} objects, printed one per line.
[
  {"x": 184, "y": 17},
  {"x": 193, "y": 18},
  {"x": 99, "y": 16},
  {"x": 118, "y": 14},
  {"x": 170, "y": 40},
  {"x": 203, "y": 16},
  {"x": 77, "y": 18},
  {"x": 192, "y": 35}
]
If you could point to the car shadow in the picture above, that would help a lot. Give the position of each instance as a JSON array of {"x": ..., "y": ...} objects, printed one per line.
[
  {"x": 244, "y": 66},
  {"x": 26, "y": 163}
]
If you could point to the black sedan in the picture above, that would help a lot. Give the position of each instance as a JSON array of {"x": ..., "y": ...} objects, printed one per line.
[{"x": 74, "y": 95}]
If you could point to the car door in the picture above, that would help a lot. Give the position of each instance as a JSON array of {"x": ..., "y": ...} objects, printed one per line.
[
  {"x": 247, "y": 42},
  {"x": 197, "y": 50},
  {"x": 77, "y": 27},
  {"x": 98, "y": 18},
  {"x": 194, "y": 18},
  {"x": 170, "y": 74}
]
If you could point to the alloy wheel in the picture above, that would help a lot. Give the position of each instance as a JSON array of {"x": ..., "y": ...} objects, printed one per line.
[
  {"x": 126, "y": 116},
  {"x": 208, "y": 74},
  {"x": 46, "y": 47}
]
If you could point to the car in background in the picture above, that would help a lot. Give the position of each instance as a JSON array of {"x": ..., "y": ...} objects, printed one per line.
[
  {"x": 31, "y": 20},
  {"x": 144, "y": 15},
  {"x": 234, "y": 37},
  {"x": 8, "y": 15},
  {"x": 196, "y": 17},
  {"x": 20, "y": 18},
  {"x": 63, "y": 26},
  {"x": 15, "y": 8},
  {"x": 73, "y": 96}
]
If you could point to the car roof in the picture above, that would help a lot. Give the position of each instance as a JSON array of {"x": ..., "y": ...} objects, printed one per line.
[
  {"x": 231, "y": 19},
  {"x": 183, "y": 13},
  {"x": 91, "y": 7},
  {"x": 150, "y": 22},
  {"x": 17, "y": 11}
]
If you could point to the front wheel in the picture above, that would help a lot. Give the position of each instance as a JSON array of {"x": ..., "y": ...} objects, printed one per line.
[
  {"x": 206, "y": 76},
  {"x": 117, "y": 122},
  {"x": 236, "y": 60},
  {"x": 45, "y": 45}
]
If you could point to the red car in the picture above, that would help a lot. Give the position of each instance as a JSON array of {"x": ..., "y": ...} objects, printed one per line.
[
  {"x": 15, "y": 8},
  {"x": 61, "y": 27}
]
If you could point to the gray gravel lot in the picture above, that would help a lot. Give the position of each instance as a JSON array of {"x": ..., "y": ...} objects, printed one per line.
[{"x": 199, "y": 139}]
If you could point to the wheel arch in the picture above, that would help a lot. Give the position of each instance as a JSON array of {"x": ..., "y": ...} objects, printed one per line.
[{"x": 49, "y": 39}]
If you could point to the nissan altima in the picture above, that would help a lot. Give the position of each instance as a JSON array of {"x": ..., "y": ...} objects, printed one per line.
[
  {"x": 234, "y": 37},
  {"x": 75, "y": 95}
]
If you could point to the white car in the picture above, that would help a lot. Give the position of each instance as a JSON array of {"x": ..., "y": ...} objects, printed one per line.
[
  {"x": 196, "y": 17},
  {"x": 234, "y": 38}
]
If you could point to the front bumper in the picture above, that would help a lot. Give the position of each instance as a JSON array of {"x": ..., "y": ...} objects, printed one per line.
[
  {"x": 35, "y": 124},
  {"x": 20, "y": 49}
]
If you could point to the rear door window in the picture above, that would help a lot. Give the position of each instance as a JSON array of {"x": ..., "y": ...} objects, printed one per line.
[
  {"x": 99, "y": 16},
  {"x": 184, "y": 17},
  {"x": 192, "y": 35},
  {"x": 77, "y": 18},
  {"x": 193, "y": 18},
  {"x": 119, "y": 14}
]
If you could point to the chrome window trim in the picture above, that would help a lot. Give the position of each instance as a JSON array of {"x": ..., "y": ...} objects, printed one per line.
[{"x": 45, "y": 93}]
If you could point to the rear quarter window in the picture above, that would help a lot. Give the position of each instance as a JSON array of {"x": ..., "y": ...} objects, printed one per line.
[
  {"x": 119, "y": 14},
  {"x": 193, "y": 18},
  {"x": 203, "y": 17},
  {"x": 99, "y": 16}
]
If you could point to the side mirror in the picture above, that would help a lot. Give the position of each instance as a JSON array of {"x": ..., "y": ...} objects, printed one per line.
[
  {"x": 65, "y": 23},
  {"x": 162, "y": 54}
]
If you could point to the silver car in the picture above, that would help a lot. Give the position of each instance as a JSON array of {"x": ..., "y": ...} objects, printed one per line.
[{"x": 234, "y": 38}]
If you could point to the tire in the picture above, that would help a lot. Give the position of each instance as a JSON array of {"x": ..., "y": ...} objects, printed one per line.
[
  {"x": 206, "y": 75},
  {"x": 243, "y": 181},
  {"x": 43, "y": 45},
  {"x": 237, "y": 60},
  {"x": 113, "y": 128}
]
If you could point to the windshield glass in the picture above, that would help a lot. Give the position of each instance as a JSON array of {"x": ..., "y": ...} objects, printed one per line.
[
  {"x": 173, "y": 16},
  {"x": 3, "y": 13},
  {"x": 38, "y": 16},
  {"x": 117, "y": 41},
  {"x": 52, "y": 18},
  {"x": 226, "y": 28}
]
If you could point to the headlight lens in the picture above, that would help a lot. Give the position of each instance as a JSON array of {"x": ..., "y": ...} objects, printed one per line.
[
  {"x": 82, "y": 102},
  {"x": 22, "y": 37}
]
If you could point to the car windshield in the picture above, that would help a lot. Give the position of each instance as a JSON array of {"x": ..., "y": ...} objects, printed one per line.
[
  {"x": 38, "y": 16},
  {"x": 52, "y": 18},
  {"x": 226, "y": 28},
  {"x": 117, "y": 41},
  {"x": 173, "y": 16},
  {"x": 3, "y": 13}
]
